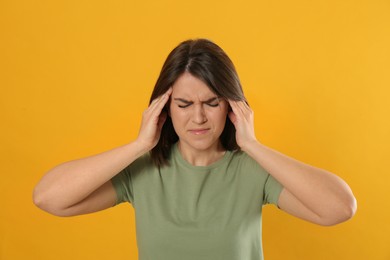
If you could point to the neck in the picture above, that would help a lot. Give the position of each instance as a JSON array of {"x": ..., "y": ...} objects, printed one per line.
[{"x": 201, "y": 157}]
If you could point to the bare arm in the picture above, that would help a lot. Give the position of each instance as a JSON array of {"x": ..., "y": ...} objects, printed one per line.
[
  {"x": 83, "y": 186},
  {"x": 309, "y": 193},
  {"x": 69, "y": 183}
]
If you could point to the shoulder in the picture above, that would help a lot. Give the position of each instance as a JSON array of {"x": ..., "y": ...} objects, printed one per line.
[
  {"x": 247, "y": 163},
  {"x": 243, "y": 158},
  {"x": 142, "y": 163}
]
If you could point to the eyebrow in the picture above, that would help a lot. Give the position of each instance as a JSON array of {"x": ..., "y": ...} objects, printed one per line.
[{"x": 190, "y": 102}]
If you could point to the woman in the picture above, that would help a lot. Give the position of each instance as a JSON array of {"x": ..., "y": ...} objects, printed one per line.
[{"x": 196, "y": 175}]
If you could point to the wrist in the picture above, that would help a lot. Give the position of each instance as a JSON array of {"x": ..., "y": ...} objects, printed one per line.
[
  {"x": 140, "y": 147},
  {"x": 250, "y": 146}
]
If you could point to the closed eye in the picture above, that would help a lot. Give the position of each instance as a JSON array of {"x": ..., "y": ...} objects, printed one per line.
[
  {"x": 212, "y": 102},
  {"x": 211, "y": 105}
]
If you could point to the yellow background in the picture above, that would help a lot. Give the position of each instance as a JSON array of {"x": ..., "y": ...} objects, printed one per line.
[{"x": 75, "y": 77}]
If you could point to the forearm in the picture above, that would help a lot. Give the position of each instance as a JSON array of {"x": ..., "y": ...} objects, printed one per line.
[
  {"x": 71, "y": 182},
  {"x": 322, "y": 192}
]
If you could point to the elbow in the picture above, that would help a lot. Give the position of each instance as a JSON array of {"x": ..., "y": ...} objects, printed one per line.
[
  {"x": 344, "y": 213},
  {"x": 348, "y": 210},
  {"x": 38, "y": 199},
  {"x": 352, "y": 207},
  {"x": 44, "y": 204}
]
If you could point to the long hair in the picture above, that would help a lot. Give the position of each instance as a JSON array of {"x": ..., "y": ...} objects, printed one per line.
[{"x": 208, "y": 62}]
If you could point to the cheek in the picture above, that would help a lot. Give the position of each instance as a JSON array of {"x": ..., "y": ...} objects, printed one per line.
[
  {"x": 219, "y": 118},
  {"x": 177, "y": 115}
]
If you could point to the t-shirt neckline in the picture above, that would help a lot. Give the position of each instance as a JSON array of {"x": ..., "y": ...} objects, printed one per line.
[{"x": 177, "y": 154}]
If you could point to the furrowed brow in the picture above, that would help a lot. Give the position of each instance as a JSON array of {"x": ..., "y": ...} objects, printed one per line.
[
  {"x": 183, "y": 100},
  {"x": 211, "y": 100},
  {"x": 190, "y": 102}
]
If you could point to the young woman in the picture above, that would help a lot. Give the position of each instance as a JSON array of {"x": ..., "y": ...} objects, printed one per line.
[{"x": 196, "y": 175}]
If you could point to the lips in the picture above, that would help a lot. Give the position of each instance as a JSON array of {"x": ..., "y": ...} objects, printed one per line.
[{"x": 199, "y": 131}]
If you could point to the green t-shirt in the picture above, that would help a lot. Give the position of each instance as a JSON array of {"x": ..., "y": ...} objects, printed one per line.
[{"x": 186, "y": 212}]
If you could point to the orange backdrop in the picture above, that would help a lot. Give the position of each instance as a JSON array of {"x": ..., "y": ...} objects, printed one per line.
[{"x": 75, "y": 77}]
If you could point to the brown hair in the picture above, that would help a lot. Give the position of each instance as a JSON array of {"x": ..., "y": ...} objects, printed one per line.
[{"x": 208, "y": 62}]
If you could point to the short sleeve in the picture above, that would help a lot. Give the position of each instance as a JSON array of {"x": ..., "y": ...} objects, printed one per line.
[
  {"x": 272, "y": 190},
  {"x": 270, "y": 187},
  {"x": 123, "y": 186}
]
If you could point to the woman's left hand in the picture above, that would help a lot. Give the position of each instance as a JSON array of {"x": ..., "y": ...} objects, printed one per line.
[{"x": 243, "y": 120}]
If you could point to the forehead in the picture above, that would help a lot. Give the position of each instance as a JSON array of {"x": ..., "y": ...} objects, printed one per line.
[{"x": 190, "y": 86}]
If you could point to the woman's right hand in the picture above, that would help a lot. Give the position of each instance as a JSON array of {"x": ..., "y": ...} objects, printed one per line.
[{"x": 153, "y": 119}]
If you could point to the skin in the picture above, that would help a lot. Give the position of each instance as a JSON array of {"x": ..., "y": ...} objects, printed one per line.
[
  {"x": 198, "y": 117},
  {"x": 83, "y": 186}
]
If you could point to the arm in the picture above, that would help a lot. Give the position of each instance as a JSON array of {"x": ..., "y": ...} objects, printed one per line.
[
  {"x": 309, "y": 193},
  {"x": 68, "y": 184},
  {"x": 84, "y": 186}
]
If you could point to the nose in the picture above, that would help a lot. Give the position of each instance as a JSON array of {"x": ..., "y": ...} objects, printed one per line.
[{"x": 199, "y": 115}]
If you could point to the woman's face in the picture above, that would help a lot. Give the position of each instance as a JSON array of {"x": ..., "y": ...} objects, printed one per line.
[{"x": 198, "y": 116}]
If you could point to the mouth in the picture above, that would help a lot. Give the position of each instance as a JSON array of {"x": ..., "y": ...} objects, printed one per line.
[{"x": 199, "y": 131}]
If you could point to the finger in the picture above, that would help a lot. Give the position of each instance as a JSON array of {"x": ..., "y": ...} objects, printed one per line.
[
  {"x": 154, "y": 101},
  {"x": 159, "y": 105},
  {"x": 232, "y": 104},
  {"x": 164, "y": 99},
  {"x": 168, "y": 92},
  {"x": 244, "y": 108},
  {"x": 237, "y": 114},
  {"x": 159, "y": 98},
  {"x": 246, "y": 105},
  {"x": 236, "y": 109},
  {"x": 241, "y": 106}
]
